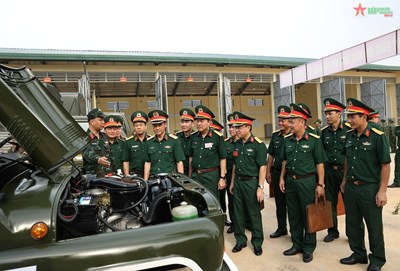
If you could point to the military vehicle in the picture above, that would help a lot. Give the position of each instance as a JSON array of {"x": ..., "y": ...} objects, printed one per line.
[{"x": 54, "y": 217}]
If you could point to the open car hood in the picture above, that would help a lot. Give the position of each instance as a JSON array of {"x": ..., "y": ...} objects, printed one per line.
[{"x": 37, "y": 120}]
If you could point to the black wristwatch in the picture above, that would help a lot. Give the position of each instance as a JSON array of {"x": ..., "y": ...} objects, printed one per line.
[{"x": 222, "y": 177}]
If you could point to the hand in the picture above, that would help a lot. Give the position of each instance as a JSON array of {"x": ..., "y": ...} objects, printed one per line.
[
  {"x": 269, "y": 178},
  {"x": 231, "y": 188},
  {"x": 342, "y": 186},
  {"x": 282, "y": 185},
  {"x": 221, "y": 184},
  {"x": 319, "y": 191},
  {"x": 380, "y": 199},
  {"x": 260, "y": 194},
  {"x": 103, "y": 162}
]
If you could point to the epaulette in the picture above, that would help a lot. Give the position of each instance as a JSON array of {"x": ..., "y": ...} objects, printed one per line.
[
  {"x": 324, "y": 127},
  {"x": 129, "y": 138},
  {"x": 193, "y": 132},
  {"x": 173, "y": 136},
  {"x": 258, "y": 140},
  {"x": 347, "y": 124},
  {"x": 377, "y": 131},
  {"x": 227, "y": 139},
  {"x": 218, "y": 133},
  {"x": 276, "y": 131},
  {"x": 314, "y": 135},
  {"x": 178, "y": 132},
  {"x": 312, "y": 128},
  {"x": 150, "y": 137},
  {"x": 351, "y": 130},
  {"x": 288, "y": 135}
]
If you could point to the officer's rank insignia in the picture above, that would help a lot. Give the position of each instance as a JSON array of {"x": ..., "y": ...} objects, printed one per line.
[
  {"x": 155, "y": 114},
  {"x": 200, "y": 109},
  {"x": 327, "y": 103},
  {"x": 138, "y": 115},
  {"x": 305, "y": 146},
  {"x": 185, "y": 112},
  {"x": 366, "y": 143}
]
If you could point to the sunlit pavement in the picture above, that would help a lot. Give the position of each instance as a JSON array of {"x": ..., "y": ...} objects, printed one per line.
[{"x": 326, "y": 255}]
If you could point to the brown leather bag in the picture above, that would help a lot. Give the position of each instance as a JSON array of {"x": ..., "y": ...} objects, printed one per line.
[{"x": 319, "y": 215}]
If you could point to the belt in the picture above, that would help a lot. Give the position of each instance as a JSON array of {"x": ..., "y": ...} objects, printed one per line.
[
  {"x": 357, "y": 182},
  {"x": 137, "y": 172},
  {"x": 206, "y": 170},
  {"x": 295, "y": 177},
  {"x": 245, "y": 178},
  {"x": 335, "y": 167}
]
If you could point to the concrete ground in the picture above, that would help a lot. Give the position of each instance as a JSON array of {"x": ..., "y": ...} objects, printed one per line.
[{"x": 326, "y": 255}]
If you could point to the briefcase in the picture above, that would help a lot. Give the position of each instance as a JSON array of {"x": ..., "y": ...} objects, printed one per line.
[{"x": 319, "y": 215}]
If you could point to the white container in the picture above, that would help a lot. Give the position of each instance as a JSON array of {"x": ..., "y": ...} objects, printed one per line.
[{"x": 184, "y": 212}]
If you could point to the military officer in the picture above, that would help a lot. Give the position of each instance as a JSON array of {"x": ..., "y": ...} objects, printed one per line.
[
  {"x": 216, "y": 125},
  {"x": 187, "y": 123},
  {"x": 248, "y": 177},
  {"x": 230, "y": 144},
  {"x": 163, "y": 152},
  {"x": 303, "y": 156},
  {"x": 373, "y": 119},
  {"x": 366, "y": 175},
  {"x": 333, "y": 137},
  {"x": 396, "y": 181},
  {"x": 133, "y": 154},
  {"x": 97, "y": 158},
  {"x": 317, "y": 126},
  {"x": 274, "y": 168},
  {"x": 111, "y": 128},
  {"x": 207, "y": 153}
]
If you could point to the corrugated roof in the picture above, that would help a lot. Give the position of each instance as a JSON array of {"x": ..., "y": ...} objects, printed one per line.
[{"x": 160, "y": 57}]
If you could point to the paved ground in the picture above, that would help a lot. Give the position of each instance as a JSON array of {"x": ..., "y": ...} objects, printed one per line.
[{"x": 326, "y": 255}]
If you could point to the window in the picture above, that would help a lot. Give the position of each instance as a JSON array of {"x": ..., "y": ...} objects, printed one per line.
[
  {"x": 255, "y": 102},
  {"x": 151, "y": 104},
  {"x": 191, "y": 103},
  {"x": 117, "y": 106}
]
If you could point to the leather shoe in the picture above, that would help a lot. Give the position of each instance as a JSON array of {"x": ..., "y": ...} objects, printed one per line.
[
  {"x": 228, "y": 223},
  {"x": 231, "y": 229},
  {"x": 351, "y": 260},
  {"x": 292, "y": 251},
  {"x": 238, "y": 248},
  {"x": 277, "y": 234},
  {"x": 373, "y": 267},
  {"x": 258, "y": 251},
  {"x": 307, "y": 257},
  {"x": 393, "y": 185},
  {"x": 330, "y": 237}
]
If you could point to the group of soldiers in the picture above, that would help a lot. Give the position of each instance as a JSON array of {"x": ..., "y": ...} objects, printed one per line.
[{"x": 351, "y": 158}]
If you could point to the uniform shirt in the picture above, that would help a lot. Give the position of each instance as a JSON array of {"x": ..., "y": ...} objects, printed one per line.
[
  {"x": 249, "y": 156},
  {"x": 333, "y": 142},
  {"x": 116, "y": 149},
  {"x": 275, "y": 149},
  {"x": 208, "y": 151},
  {"x": 229, "y": 145},
  {"x": 397, "y": 133},
  {"x": 375, "y": 125},
  {"x": 184, "y": 144},
  {"x": 134, "y": 153},
  {"x": 163, "y": 155},
  {"x": 97, "y": 148},
  {"x": 366, "y": 154},
  {"x": 302, "y": 156}
]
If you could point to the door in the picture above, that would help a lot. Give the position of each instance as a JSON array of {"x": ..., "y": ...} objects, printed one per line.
[
  {"x": 282, "y": 96},
  {"x": 373, "y": 94},
  {"x": 334, "y": 89}
]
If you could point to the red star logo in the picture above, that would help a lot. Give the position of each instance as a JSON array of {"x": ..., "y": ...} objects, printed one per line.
[{"x": 360, "y": 10}]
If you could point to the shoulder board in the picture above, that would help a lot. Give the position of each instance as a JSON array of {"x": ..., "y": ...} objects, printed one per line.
[
  {"x": 312, "y": 128},
  {"x": 324, "y": 127},
  {"x": 150, "y": 137},
  {"x": 288, "y": 135},
  {"x": 377, "y": 131},
  {"x": 258, "y": 140},
  {"x": 193, "y": 132},
  {"x": 314, "y": 135},
  {"x": 173, "y": 136},
  {"x": 276, "y": 131},
  {"x": 347, "y": 124},
  {"x": 218, "y": 133},
  {"x": 129, "y": 138},
  {"x": 351, "y": 130},
  {"x": 227, "y": 139}
]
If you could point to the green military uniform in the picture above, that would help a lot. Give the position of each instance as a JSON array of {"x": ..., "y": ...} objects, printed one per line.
[
  {"x": 333, "y": 142},
  {"x": 230, "y": 144},
  {"x": 185, "y": 114},
  {"x": 248, "y": 157},
  {"x": 396, "y": 181},
  {"x": 96, "y": 149},
  {"x": 301, "y": 158},
  {"x": 311, "y": 130},
  {"x": 365, "y": 155},
  {"x": 206, "y": 153},
  {"x": 163, "y": 155},
  {"x": 275, "y": 150},
  {"x": 134, "y": 153},
  {"x": 117, "y": 148}
]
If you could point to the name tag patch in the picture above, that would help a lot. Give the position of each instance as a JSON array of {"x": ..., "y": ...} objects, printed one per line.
[{"x": 208, "y": 145}]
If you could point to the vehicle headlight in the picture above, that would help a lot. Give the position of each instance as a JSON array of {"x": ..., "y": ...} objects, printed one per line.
[{"x": 39, "y": 230}]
